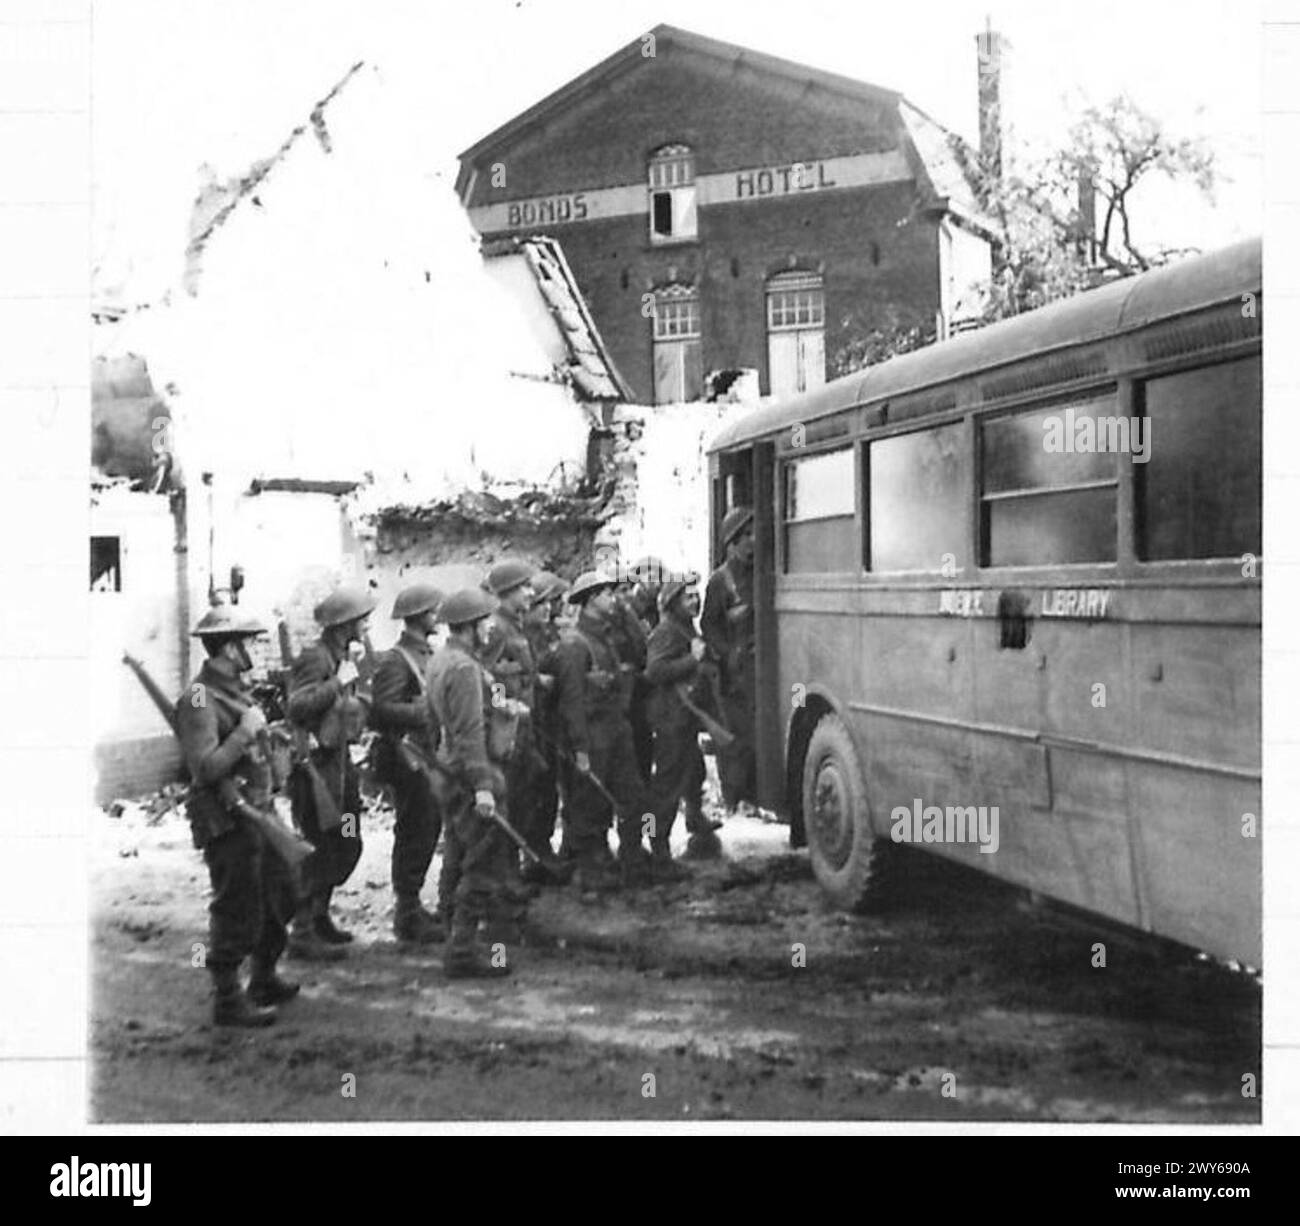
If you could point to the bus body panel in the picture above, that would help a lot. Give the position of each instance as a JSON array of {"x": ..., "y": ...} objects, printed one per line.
[{"x": 1109, "y": 712}]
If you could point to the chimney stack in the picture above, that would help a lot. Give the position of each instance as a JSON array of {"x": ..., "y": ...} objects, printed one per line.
[
  {"x": 1087, "y": 192},
  {"x": 988, "y": 48}
]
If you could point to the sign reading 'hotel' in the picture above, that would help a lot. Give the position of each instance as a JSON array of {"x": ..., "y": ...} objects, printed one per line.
[{"x": 726, "y": 187}]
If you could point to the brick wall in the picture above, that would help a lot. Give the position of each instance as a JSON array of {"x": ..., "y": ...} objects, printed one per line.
[
  {"x": 731, "y": 117},
  {"x": 875, "y": 254},
  {"x": 879, "y": 257}
]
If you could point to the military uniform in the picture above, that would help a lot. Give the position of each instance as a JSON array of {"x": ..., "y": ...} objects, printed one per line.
[
  {"x": 252, "y": 895},
  {"x": 542, "y": 807},
  {"x": 508, "y": 658},
  {"x": 593, "y": 701},
  {"x": 678, "y": 763},
  {"x": 727, "y": 624},
  {"x": 476, "y": 858},
  {"x": 629, "y": 635},
  {"x": 333, "y": 713},
  {"x": 399, "y": 709}
]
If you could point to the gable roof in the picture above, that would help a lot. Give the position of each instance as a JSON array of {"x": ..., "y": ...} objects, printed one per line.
[
  {"x": 630, "y": 55},
  {"x": 942, "y": 155}
]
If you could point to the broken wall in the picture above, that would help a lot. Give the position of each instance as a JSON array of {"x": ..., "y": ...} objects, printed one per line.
[{"x": 135, "y": 608}]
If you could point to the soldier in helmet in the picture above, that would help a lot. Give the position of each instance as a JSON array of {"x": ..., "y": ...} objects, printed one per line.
[
  {"x": 727, "y": 624},
  {"x": 401, "y": 710},
  {"x": 508, "y": 657},
  {"x": 638, "y": 616},
  {"x": 674, "y": 655},
  {"x": 475, "y": 871},
  {"x": 542, "y": 808},
  {"x": 223, "y": 736},
  {"x": 648, "y": 575},
  {"x": 593, "y": 702},
  {"x": 328, "y": 706}
]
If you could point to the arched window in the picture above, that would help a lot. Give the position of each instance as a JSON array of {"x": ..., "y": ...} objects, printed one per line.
[
  {"x": 678, "y": 368},
  {"x": 796, "y": 324},
  {"x": 672, "y": 194}
]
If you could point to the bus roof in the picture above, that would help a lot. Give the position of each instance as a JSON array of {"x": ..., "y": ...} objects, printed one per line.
[{"x": 1131, "y": 302}]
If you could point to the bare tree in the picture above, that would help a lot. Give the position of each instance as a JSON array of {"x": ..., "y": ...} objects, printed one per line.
[
  {"x": 1070, "y": 218},
  {"x": 1118, "y": 147}
]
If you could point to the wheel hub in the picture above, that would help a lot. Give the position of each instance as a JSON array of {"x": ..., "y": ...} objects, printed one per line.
[{"x": 832, "y": 817}]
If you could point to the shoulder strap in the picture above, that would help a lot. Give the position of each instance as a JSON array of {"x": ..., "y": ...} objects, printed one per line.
[
  {"x": 410, "y": 663},
  {"x": 730, "y": 580}
]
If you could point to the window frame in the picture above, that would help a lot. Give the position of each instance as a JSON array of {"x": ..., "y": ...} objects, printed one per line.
[
  {"x": 1137, "y": 406},
  {"x": 1062, "y": 398},
  {"x": 785, "y": 461},
  {"x": 783, "y": 299},
  {"x": 670, "y": 172},
  {"x": 969, "y": 442}
]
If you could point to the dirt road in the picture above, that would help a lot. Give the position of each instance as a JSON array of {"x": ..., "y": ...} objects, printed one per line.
[{"x": 734, "y": 996}]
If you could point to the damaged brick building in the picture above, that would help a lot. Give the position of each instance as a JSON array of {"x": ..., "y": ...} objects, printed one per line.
[{"x": 725, "y": 209}]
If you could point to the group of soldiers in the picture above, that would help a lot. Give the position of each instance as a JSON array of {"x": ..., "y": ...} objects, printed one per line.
[{"x": 538, "y": 699}]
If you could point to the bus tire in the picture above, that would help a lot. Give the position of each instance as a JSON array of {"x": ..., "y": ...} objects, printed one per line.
[{"x": 837, "y": 820}]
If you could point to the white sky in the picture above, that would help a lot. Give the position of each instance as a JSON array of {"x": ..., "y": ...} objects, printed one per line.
[{"x": 180, "y": 84}]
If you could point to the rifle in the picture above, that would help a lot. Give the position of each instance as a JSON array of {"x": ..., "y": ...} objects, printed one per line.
[
  {"x": 589, "y": 775},
  {"x": 516, "y": 838},
  {"x": 447, "y": 790},
  {"x": 291, "y": 848},
  {"x": 722, "y": 736},
  {"x": 445, "y": 787}
]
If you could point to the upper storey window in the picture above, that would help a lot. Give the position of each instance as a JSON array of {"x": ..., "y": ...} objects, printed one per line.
[{"x": 672, "y": 194}]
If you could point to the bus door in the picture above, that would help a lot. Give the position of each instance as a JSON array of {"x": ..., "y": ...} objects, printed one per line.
[{"x": 745, "y": 477}]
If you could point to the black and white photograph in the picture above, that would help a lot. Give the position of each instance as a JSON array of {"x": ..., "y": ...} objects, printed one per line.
[{"x": 692, "y": 565}]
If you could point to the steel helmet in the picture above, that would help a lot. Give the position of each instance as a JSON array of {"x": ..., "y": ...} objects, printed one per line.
[
  {"x": 547, "y": 586},
  {"x": 344, "y": 604},
  {"x": 735, "y": 522},
  {"x": 418, "y": 598},
  {"x": 648, "y": 570},
  {"x": 674, "y": 588},
  {"x": 467, "y": 605},
  {"x": 227, "y": 619},
  {"x": 584, "y": 585},
  {"x": 506, "y": 576}
]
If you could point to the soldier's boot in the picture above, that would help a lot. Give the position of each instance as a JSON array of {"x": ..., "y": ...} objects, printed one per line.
[
  {"x": 305, "y": 943},
  {"x": 231, "y": 1005},
  {"x": 662, "y": 865},
  {"x": 466, "y": 959},
  {"x": 696, "y": 821},
  {"x": 265, "y": 987},
  {"x": 547, "y": 869},
  {"x": 518, "y": 892},
  {"x": 326, "y": 928},
  {"x": 594, "y": 874},
  {"x": 634, "y": 866},
  {"x": 703, "y": 845},
  {"x": 414, "y": 925}
]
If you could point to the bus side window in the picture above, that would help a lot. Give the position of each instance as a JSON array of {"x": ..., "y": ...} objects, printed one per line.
[
  {"x": 917, "y": 499},
  {"x": 1050, "y": 486},
  {"x": 821, "y": 531},
  {"x": 1198, "y": 493}
]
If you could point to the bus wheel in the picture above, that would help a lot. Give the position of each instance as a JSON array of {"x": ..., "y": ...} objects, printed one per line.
[{"x": 836, "y": 818}]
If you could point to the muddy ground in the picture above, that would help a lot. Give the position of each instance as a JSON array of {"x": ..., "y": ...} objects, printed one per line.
[{"x": 951, "y": 1000}]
